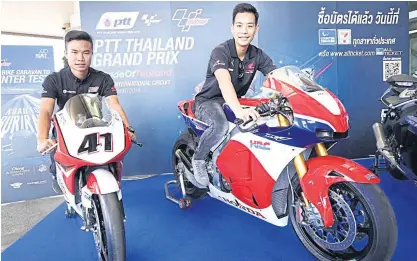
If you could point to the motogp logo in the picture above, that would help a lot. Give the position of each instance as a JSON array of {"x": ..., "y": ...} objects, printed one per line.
[{"x": 186, "y": 21}]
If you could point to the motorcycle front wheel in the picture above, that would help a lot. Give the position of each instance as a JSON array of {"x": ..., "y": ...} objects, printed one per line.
[
  {"x": 365, "y": 227},
  {"x": 109, "y": 230}
]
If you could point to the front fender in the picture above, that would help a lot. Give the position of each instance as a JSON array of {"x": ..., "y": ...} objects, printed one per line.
[
  {"x": 102, "y": 181},
  {"x": 322, "y": 172}
]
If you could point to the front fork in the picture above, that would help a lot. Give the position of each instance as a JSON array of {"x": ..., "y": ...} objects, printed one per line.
[{"x": 299, "y": 161}]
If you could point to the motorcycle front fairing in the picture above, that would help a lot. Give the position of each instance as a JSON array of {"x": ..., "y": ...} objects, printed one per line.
[{"x": 90, "y": 134}]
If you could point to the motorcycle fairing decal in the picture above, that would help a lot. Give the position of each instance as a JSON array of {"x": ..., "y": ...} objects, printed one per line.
[
  {"x": 273, "y": 160},
  {"x": 64, "y": 157},
  {"x": 304, "y": 104},
  {"x": 267, "y": 214},
  {"x": 67, "y": 177},
  {"x": 249, "y": 180},
  {"x": 412, "y": 121},
  {"x": 317, "y": 181}
]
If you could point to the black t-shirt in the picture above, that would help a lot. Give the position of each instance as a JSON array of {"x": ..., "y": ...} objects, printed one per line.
[
  {"x": 63, "y": 85},
  {"x": 241, "y": 72}
]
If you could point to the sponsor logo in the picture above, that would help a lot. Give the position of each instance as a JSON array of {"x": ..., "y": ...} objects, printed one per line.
[
  {"x": 66, "y": 91},
  {"x": 93, "y": 89},
  {"x": 39, "y": 182},
  {"x": 43, "y": 54},
  {"x": 370, "y": 176},
  {"x": 186, "y": 21},
  {"x": 16, "y": 185},
  {"x": 17, "y": 171},
  {"x": 387, "y": 52},
  {"x": 344, "y": 36},
  {"x": 5, "y": 63},
  {"x": 327, "y": 37},
  {"x": 260, "y": 145},
  {"x": 42, "y": 168},
  {"x": 277, "y": 138},
  {"x": 150, "y": 19},
  {"x": 238, "y": 205},
  {"x": 250, "y": 68},
  {"x": 117, "y": 20},
  {"x": 218, "y": 62}
]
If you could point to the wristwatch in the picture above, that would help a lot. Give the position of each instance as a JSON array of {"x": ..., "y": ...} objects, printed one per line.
[{"x": 131, "y": 129}]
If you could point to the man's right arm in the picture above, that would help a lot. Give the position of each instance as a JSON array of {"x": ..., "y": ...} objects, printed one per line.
[
  {"x": 45, "y": 115},
  {"x": 49, "y": 94}
]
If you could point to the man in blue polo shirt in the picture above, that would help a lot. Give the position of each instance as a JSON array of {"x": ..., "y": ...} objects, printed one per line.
[{"x": 231, "y": 69}]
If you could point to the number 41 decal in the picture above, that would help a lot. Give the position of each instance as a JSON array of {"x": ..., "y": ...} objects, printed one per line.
[{"x": 91, "y": 142}]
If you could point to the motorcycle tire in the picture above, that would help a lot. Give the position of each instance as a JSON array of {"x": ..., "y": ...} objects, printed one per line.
[
  {"x": 187, "y": 145},
  {"x": 382, "y": 229},
  {"x": 111, "y": 225}
]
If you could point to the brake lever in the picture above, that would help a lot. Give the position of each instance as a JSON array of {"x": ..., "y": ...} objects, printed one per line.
[
  {"x": 49, "y": 149},
  {"x": 137, "y": 143}
]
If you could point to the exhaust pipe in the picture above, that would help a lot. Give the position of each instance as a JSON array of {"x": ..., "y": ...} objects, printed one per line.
[{"x": 382, "y": 144}]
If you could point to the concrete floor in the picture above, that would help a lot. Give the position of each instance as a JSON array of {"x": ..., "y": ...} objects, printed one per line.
[{"x": 18, "y": 218}]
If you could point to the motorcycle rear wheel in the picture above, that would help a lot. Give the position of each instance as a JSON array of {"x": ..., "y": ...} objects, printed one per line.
[
  {"x": 379, "y": 225},
  {"x": 186, "y": 144},
  {"x": 109, "y": 234}
]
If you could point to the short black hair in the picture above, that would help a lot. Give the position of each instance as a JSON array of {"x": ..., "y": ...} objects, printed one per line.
[
  {"x": 77, "y": 35},
  {"x": 245, "y": 8}
]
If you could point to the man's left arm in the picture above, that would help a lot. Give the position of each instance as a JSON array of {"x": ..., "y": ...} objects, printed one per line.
[
  {"x": 266, "y": 65},
  {"x": 110, "y": 93}
]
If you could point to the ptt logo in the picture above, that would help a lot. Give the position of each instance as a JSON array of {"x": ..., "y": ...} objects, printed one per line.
[
  {"x": 260, "y": 145},
  {"x": 186, "y": 21},
  {"x": 43, "y": 54},
  {"x": 117, "y": 20}
]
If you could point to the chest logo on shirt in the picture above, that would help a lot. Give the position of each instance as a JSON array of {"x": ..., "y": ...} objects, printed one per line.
[
  {"x": 93, "y": 89},
  {"x": 66, "y": 91},
  {"x": 250, "y": 68}
]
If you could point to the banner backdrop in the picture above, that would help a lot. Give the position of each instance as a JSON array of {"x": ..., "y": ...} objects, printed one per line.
[
  {"x": 25, "y": 173},
  {"x": 157, "y": 54}
]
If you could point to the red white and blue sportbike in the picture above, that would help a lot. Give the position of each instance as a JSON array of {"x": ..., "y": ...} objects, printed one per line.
[
  {"x": 279, "y": 167},
  {"x": 91, "y": 144}
]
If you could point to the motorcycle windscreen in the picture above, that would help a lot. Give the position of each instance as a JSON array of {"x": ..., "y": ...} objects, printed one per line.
[
  {"x": 301, "y": 80},
  {"x": 88, "y": 111}
]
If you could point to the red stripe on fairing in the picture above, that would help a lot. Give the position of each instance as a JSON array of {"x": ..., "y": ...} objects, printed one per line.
[{"x": 304, "y": 104}]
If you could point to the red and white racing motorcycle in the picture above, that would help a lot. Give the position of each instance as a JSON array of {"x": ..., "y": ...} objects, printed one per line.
[
  {"x": 91, "y": 144},
  {"x": 279, "y": 167}
]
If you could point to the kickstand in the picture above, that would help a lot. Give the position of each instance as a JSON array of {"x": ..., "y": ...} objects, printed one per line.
[{"x": 183, "y": 202}]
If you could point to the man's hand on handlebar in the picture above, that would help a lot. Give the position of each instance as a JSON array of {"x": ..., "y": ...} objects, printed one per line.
[
  {"x": 45, "y": 144},
  {"x": 247, "y": 114},
  {"x": 262, "y": 108}
]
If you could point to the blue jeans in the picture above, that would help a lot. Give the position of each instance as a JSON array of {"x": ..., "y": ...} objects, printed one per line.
[{"x": 210, "y": 112}]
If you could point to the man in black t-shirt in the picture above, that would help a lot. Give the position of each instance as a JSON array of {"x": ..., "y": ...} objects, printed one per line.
[
  {"x": 77, "y": 78},
  {"x": 231, "y": 69}
]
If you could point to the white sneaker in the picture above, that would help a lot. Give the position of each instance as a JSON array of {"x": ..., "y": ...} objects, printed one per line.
[{"x": 200, "y": 172}]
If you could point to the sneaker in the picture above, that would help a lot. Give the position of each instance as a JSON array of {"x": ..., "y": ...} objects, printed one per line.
[
  {"x": 200, "y": 172},
  {"x": 55, "y": 186}
]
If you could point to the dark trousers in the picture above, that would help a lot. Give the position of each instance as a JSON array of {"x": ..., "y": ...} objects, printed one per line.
[{"x": 211, "y": 112}]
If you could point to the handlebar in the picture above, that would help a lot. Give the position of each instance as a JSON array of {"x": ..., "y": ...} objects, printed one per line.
[
  {"x": 137, "y": 143},
  {"x": 274, "y": 106}
]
